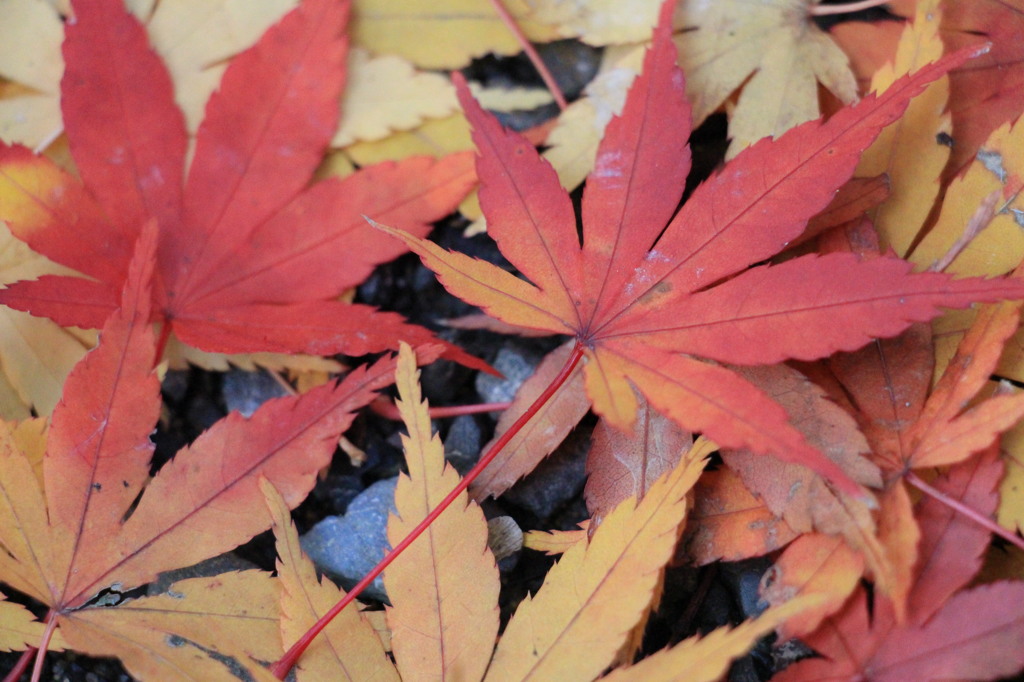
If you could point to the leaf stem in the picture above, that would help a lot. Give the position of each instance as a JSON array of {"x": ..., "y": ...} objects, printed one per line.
[
  {"x": 983, "y": 215},
  {"x": 848, "y": 8},
  {"x": 385, "y": 408},
  {"x": 531, "y": 52},
  {"x": 44, "y": 644},
  {"x": 985, "y": 522},
  {"x": 280, "y": 668},
  {"x": 26, "y": 657}
]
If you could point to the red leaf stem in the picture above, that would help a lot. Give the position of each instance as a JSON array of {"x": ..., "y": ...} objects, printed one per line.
[
  {"x": 987, "y": 523},
  {"x": 385, "y": 408},
  {"x": 531, "y": 53}
]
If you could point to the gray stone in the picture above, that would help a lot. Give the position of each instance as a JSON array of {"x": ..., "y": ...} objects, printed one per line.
[
  {"x": 348, "y": 547},
  {"x": 555, "y": 481},
  {"x": 516, "y": 366},
  {"x": 462, "y": 443},
  {"x": 744, "y": 579},
  {"x": 246, "y": 391},
  {"x": 216, "y": 565},
  {"x": 572, "y": 63}
]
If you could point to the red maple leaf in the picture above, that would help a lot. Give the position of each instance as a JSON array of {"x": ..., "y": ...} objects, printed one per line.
[
  {"x": 951, "y": 633},
  {"x": 250, "y": 254},
  {"x": 990, "y": 92},
  {"x": 101, "y": 518},
  {"x": 656, "y": 297}
]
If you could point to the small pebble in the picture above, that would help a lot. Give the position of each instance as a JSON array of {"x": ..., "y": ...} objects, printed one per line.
[
  {"x": 462, "y": 443},
  {"x": 348, "y": 547},
  {"x": 516, "y": 366},
  {"x": 556, "y": 480},
  {"x": 244, "y": 391},
  {"x": 505, "y": 538}
]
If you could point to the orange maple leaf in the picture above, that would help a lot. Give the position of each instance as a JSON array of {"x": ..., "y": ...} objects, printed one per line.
[
  {"x": 651, "y": 290},
  {"x": 950, "y": 633}
]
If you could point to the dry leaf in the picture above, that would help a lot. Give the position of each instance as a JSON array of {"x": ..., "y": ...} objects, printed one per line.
[
  {"x": 909, "y": 152},
  {"x": 445, "y": 34},
  {"x": 975, "y": 634},
  {"x": 386, "y": 94},
  {"x": 814, "y": 564},
  {"x": 728, "y": 523},
  {"x": 622, "y": 465},
  {"x": 444, "y": 587},
  {"x": 705, "y": 659},
  {"x": 576, "y": 623},
  {"x": 773, "y": 50},
  {"x": 798, "y": 495}
]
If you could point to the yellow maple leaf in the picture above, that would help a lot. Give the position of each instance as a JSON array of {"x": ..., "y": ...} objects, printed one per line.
[
  {"x": 506, "y": 99},
  {"x": 179, "y": 356},
  {"x": 572, "y": 144},
  {"x": 1010, "y": 512},
  {"x": 445, "y": 34},
  {"x": 908, "y": 151},
  {"x": 197, "y": 38},
  {"x": 773, "y": 50},
  {"x": 575, "y": 625},
  {"x": 29, "y": 111},
  {"x": 705, "y": 659},
  {"x": 386, "y": 94},
  {"x": 67, "y": 535},
  {"x": 600, "y": 22},
  {"x": 444, "y": 587},
  {"x": 139, "y": 632},
  {"x": 436, "y": 137},
  {"x": 1000, "y": 246},
  {"x": 35, "y": 353},
  {"x": 170, "y": 636},
  {"x": 555, "y": 542},
  {"x": 19, "y": 629}
]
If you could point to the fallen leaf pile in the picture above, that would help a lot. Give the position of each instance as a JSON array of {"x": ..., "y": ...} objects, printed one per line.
[{"x": 811, "y": 353}]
